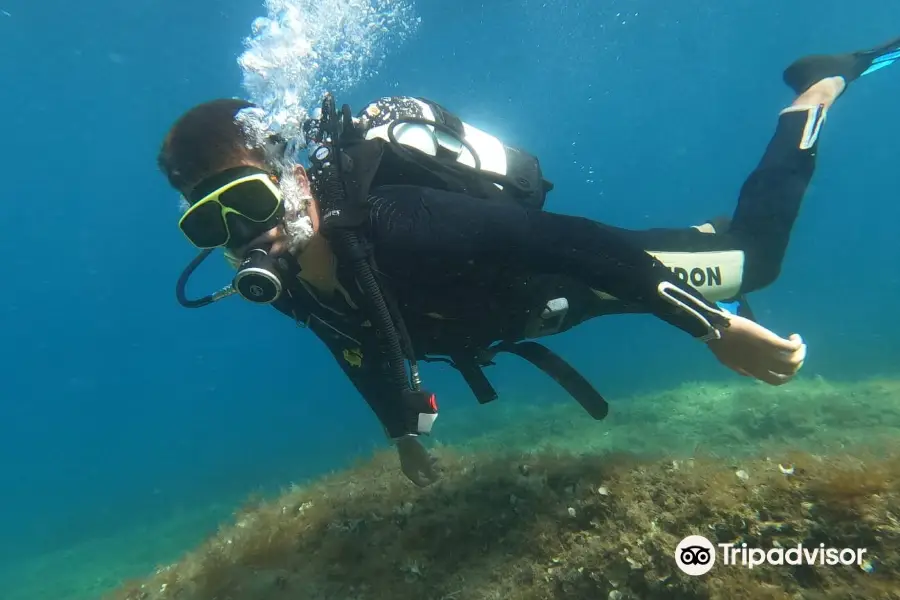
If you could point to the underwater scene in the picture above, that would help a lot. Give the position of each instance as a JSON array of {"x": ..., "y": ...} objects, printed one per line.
[{"x": 440, "y": 200}]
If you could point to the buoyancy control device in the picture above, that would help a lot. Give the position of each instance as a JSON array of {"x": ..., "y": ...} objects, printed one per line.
[{"x": 425, "y": 144}]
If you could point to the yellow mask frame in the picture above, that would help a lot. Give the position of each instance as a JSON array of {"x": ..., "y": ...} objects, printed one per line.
[{"x": 228, "y": 201}]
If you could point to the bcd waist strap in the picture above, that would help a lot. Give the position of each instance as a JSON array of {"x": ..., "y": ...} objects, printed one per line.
[{"x": 544, "y": 359}]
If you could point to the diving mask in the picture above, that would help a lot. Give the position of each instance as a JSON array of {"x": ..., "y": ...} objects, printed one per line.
[
  {"x": 232, "y": 208},
  {"x": 236, "y": 209}
]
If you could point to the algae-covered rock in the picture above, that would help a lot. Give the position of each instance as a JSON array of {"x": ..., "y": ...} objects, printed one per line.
[
  {"x": 544, "y": 503},
  {"x": 550, "y": 525}
]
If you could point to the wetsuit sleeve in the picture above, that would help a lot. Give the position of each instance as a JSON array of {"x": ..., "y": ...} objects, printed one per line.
[
  {"x": 360, "y": 359},
  {"x": 447, "y": 232},
  {"x": 356, "y": 351}
]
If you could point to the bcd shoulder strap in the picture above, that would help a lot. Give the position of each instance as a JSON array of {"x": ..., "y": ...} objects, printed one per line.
[{"x": 357, "y": 178}]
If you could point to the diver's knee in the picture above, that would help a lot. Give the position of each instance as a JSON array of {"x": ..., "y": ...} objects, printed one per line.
[
  {"x": 760, "y": 277},
  {"x": 717, "y": 225}
]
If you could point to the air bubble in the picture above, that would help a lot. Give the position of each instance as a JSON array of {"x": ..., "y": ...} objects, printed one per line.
[{"x": 303, "y": 48}]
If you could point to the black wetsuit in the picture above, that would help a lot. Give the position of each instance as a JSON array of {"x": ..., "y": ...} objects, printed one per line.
[{"x": 468, "y": 272}]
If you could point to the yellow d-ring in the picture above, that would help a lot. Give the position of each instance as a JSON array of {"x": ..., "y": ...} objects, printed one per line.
[{"x": 353, "y": 357}]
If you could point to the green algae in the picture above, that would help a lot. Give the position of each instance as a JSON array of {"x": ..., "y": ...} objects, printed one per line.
[{"x": 542, "y": 502}]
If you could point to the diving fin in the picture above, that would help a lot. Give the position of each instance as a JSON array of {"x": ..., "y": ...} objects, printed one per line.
[{"x": 806, "y": 71}]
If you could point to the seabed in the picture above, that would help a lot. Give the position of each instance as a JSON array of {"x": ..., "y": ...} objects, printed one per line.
[{"x": 545, "y": 503}]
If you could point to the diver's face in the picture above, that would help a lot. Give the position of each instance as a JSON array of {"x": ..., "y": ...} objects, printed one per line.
[
  {"x": 301, "y": 218},
  {"x": 273, "y": 239}
]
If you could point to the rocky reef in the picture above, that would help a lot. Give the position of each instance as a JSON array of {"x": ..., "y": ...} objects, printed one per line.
[{"x": 565, "y": 512}]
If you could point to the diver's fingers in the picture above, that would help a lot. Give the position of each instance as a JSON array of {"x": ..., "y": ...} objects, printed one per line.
[
  {"x": 787, "y": 363},
  {"x": 430, "y": 471},
  {"x": 765, "y": 337},
  {"x": 418, "y": 478},
  {"x": 796, "y": 359},
  {"x": 791, "y": 344},
  {"x": 429, "y": 478},
  {"x": 799, "y": 357},
  {"x": 774, "y": 378}
]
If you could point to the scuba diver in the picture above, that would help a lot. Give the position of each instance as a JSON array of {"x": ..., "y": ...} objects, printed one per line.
[{"x": 412, "y": 236}]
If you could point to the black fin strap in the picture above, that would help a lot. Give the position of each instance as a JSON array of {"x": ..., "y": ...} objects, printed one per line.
[{"x": 562, "y": 373}]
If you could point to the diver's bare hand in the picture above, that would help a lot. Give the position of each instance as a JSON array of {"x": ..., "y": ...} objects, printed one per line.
[
  {"x": 416, "y": 463},
  {"x": 752, "y": 350}
]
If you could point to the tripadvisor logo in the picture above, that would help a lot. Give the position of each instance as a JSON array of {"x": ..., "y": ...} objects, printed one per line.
[{"x": 696, "y": 555}]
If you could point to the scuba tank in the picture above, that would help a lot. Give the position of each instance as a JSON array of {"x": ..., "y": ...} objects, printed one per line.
[{"x": 428, "y": 145}]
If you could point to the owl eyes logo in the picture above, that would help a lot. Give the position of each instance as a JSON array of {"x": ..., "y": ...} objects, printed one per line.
[{"x": 695, "y": 555}]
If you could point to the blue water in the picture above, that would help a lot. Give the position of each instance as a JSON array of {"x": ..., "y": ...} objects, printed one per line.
[{"x": 119, "y": 406}]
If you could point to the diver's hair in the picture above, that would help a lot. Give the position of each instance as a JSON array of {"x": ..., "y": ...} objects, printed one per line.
[{"x": 207, "y": 140}]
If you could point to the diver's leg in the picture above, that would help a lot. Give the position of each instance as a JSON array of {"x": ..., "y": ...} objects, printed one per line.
[
  {"x": 771, "y": 196},
  {"x": 745, "y": 253},
  {"x": 725, "y": 258}
]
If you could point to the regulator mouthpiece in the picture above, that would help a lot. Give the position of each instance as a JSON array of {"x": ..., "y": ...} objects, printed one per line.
[{"x": 257, "y": 278}]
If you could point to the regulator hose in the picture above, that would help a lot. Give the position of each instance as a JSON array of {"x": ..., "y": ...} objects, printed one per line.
[
  {"x": 330, "y": 192},
  {"x": 181, "y": 294}
]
